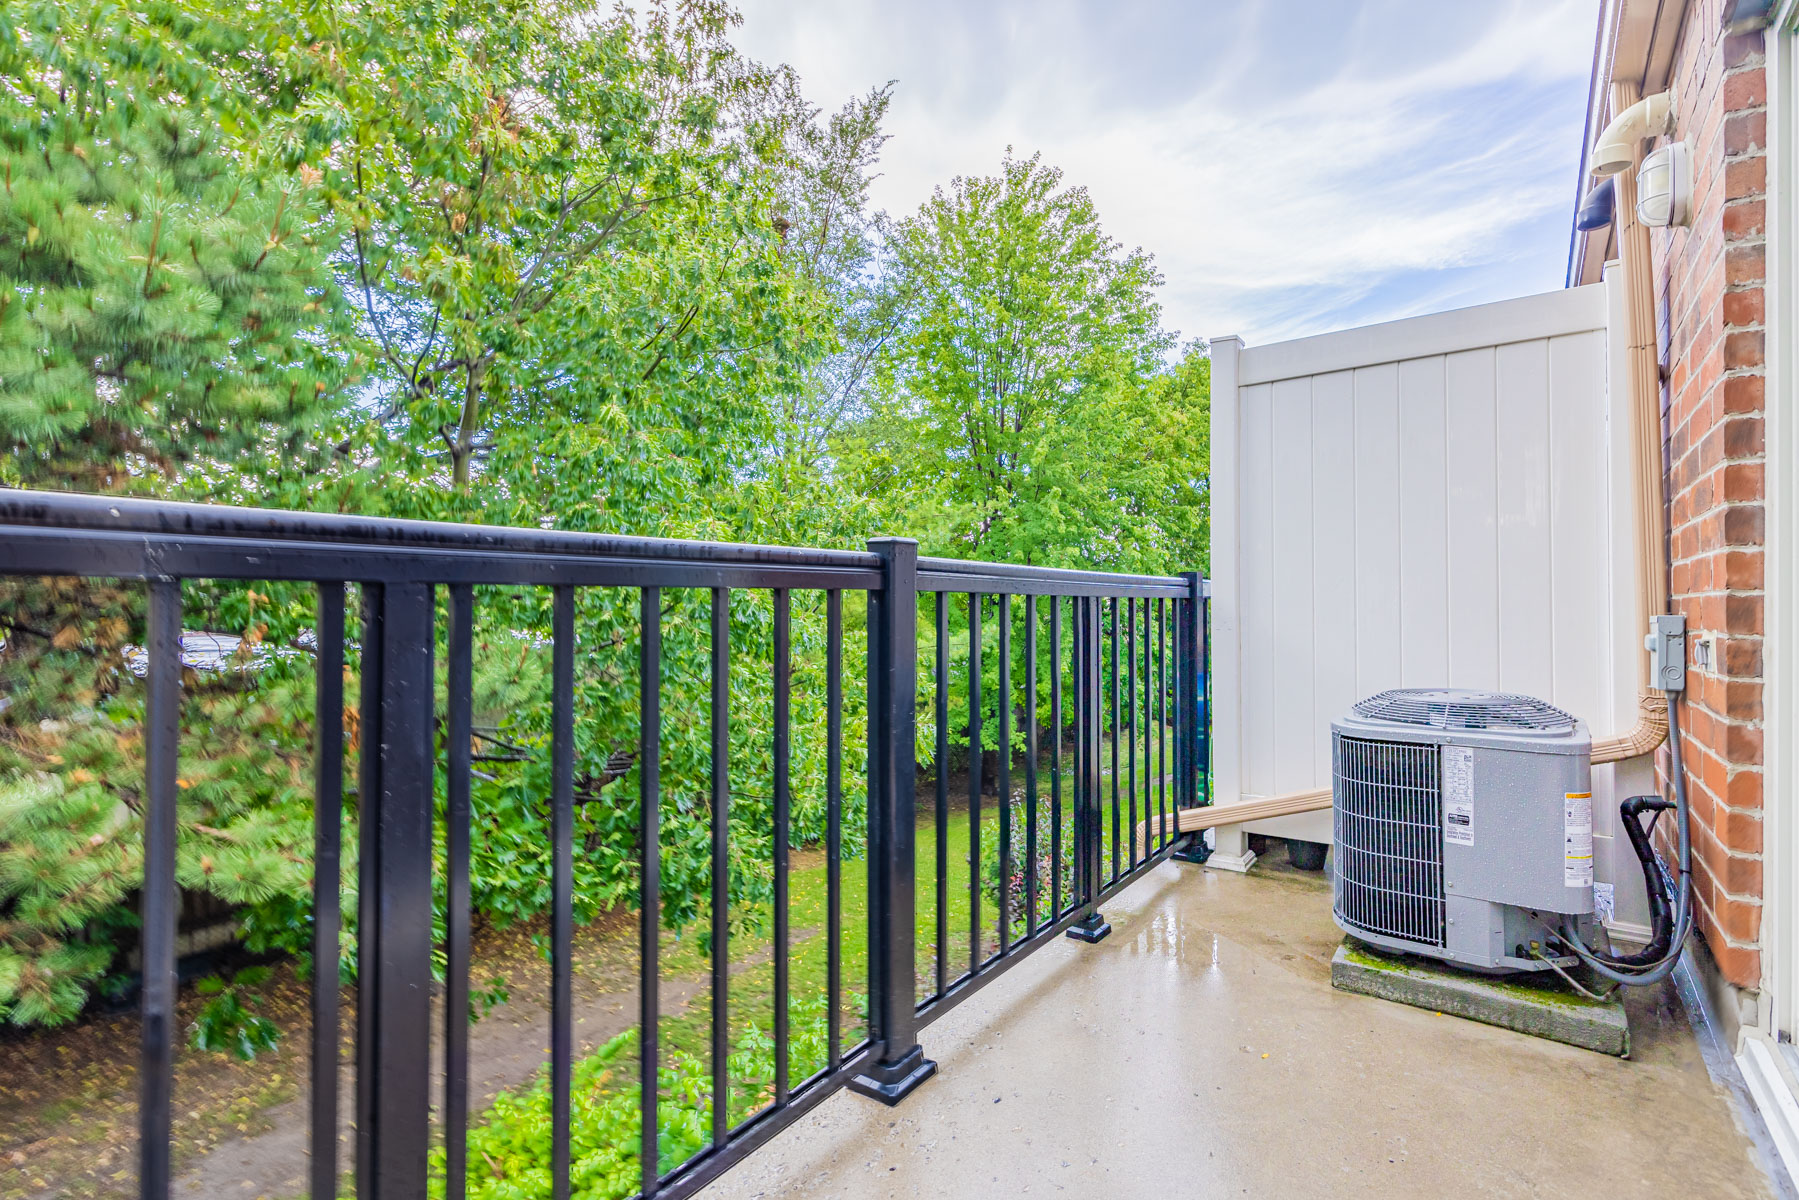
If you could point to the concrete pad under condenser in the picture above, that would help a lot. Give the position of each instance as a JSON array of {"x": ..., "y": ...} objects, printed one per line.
[{"x": 1513, "y": 1002}]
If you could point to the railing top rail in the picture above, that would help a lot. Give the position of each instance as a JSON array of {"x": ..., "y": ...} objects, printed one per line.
[
  {"x": 78, "y": 533},
  {"x": 962, "y": 575},
  {"x": 127, "y": 515}
]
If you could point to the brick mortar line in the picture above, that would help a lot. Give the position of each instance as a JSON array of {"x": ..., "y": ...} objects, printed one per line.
[
  {"x": 1730, "y": 722},
  {"x": 1734, "y": 898},
  {"x": 1747, "y": 855},
  {"x": 1749, "y": 901}
]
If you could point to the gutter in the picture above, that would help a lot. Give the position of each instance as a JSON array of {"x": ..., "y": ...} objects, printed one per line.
[{"x": 1576, "y": 238}]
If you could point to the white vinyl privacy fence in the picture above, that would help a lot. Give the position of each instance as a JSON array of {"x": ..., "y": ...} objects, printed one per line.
[{"x": 1435, "y": 501}]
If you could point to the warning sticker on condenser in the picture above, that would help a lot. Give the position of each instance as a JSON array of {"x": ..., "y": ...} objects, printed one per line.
[
  {"x": 1458, "y": 795},
  {"x": 1577, "y": 840}
]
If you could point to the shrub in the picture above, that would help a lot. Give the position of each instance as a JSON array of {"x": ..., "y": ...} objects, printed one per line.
[{"x": 509, "y": 1151}]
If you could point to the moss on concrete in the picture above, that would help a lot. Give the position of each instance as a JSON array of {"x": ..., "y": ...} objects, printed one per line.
[
  {"x": 1536, "y": 1007},
  {"x": 1544, "y": 988}
]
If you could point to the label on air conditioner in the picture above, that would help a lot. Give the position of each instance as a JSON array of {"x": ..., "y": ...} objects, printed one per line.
[
  {"x": 1577, "y": 840},
  {"x": 1458, "y": 795}
]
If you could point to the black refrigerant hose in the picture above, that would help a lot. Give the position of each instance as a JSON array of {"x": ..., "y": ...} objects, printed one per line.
[
  {"x": 1669, "y": 931},
  {"x": 1655, "y": 882}
]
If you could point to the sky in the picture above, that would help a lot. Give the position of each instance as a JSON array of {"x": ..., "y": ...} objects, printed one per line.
[{"x": 1294, "y": 166}]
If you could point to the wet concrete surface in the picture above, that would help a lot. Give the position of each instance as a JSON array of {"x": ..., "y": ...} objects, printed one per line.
[{"x": 1200, "y": 1051}]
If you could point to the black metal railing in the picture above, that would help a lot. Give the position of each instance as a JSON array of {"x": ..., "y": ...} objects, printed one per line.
[
  {"x": 1106, "y": 674},
  {"x": 1131, "y": 658}
]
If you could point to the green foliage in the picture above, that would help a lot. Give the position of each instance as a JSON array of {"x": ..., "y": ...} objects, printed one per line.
[
  {"x": 228, "y": 1022},
  {"x": 71, "y": 833},
  {"x": 564, "y": 245},
  {"x": 1020, "y": 415},
  {"x": 511, "y": 871},
  {"x": 527, "y": 263},
  {"x": 166, "y": 304},
  {"x": 583, "y": 218},
  {"x": 509, "y": 1152},
  {"x": 158, "y": 282}
]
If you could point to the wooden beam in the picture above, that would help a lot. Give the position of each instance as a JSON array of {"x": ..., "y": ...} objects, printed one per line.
[{"x": 1192, "y": 820}]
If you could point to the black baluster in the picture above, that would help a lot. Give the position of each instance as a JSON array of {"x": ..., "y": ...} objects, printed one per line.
[
  {"x": 394, "y": 931},
  {"x": 562, "y": 886},
  {"x": 160, "y": 899},
  {"x": 721, "y": 864},
  {"x": 941, "y": 684},
  {"x": 649, "y": 895},
  {"x": 1117, "y": 732},
  {"x": 1128, "y": 728},
  {"x": 834, "y": 821},
  {"x": 974, "y": 782},
  {"x": 459, "y": 742},
  {"x": 1003, "y": 710},
  {"x": 1030, "y": 765},
  {"x": 783, "y": 836},
  {"x": 1089, "y": 681},
  {"x": 1055, "y": 762}
]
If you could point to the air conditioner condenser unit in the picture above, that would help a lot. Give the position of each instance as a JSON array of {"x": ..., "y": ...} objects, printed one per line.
[{"x": 1463, "y": 824}]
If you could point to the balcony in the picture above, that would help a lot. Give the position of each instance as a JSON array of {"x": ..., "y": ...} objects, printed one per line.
[
  {"x": 1183, "y": 1035},
  {"x": 1200, "y": 1051}
]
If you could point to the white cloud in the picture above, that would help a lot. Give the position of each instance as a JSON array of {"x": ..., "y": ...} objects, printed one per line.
[{"x": 1293, "y": 167}]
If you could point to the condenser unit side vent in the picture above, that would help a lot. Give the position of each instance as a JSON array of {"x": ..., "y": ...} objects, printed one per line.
[
  {"x": 1389, "y": 832},
  {"x": 1464, "y": 710}
]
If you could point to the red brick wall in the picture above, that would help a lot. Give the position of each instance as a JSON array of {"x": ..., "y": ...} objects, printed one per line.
[{"x": 1710, "y": 306}]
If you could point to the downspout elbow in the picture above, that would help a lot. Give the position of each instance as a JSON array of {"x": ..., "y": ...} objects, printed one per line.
[
  {"x": 1650, "y": 731},
  {"x": 1616, "y": 149}
]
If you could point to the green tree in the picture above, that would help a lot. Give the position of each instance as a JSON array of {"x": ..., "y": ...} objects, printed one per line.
[
  {"x": 1168, "y": 489},
  {"x": 157, "y": 281},
  {"x": 166, "y": 301},
  {"x": 830, "y": 236},
  {"x": 554, "y": 215},
  {"x": 569, "y": 247},
  {"x": 1020, "y": 413}
]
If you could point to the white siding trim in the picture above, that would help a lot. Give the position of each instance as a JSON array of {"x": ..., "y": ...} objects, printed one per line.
[
  {"x": 1780, "y": 698},
  {"x": 1772, "y": 1088}
]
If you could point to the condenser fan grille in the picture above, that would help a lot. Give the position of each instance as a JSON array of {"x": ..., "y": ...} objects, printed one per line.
[
  {"x": 1456, "y": 708},
  {"x": 1389, "y": 831}
]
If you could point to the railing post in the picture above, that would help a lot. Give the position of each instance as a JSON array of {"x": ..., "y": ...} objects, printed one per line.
[
  {"x": 393, "y": 1013},
  {"x": 899, "y": 1064},
  {"x": 1182, "y": 797},
  {"x": 1088, "y": 684},
  {"x": 1202, "y": 707},
  {"x": 1191, "y": 715}
]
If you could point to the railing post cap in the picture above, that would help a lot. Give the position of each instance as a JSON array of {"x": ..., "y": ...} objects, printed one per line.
[{"x": 899, "y": 553}]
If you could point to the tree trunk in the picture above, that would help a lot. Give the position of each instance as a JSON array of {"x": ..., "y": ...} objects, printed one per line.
[{"x": 464, "y": 448}]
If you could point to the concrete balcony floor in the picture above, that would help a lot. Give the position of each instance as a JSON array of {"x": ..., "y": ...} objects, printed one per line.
[{"x": 1200, "y": 1051}]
